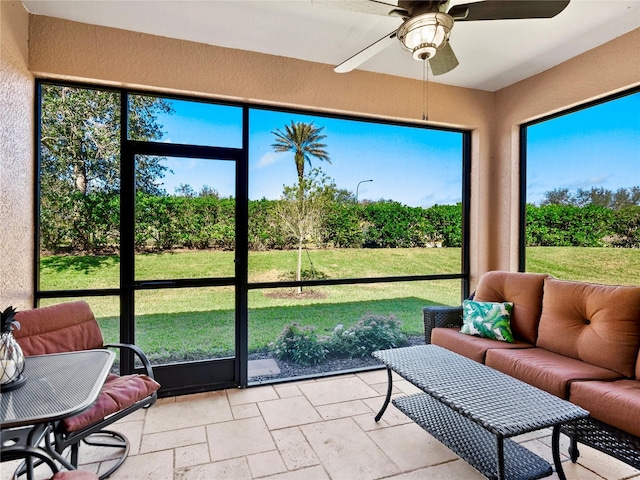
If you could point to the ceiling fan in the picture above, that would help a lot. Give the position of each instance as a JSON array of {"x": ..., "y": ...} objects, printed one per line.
[{"x": 427, "y": 25}]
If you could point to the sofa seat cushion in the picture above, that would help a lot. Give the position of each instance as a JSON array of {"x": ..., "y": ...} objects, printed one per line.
[
  {"x": 615, "y": 403},
  {"x": 117, "y": 394},
  {"x": 599, "y": 324},
  {"x": 471, "y": 347},
  {"x": 524, "y": 290},
  {"x": 546, "y": 370}
]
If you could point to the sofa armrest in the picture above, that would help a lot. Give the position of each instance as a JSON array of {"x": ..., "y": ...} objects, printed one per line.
[{"x": 435, "y": 317}]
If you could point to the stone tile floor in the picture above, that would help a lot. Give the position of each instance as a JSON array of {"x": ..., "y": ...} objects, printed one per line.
[{"x": 318, "y": 429}]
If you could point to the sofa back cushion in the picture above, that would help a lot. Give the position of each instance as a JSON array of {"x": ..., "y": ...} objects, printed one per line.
[
  {"x": 524, "y": 290},
  {"x": 599, "y": 324},
  {"x": 59, "y": 328}
]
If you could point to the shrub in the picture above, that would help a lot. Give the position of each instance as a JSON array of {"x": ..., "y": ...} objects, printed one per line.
[
  {"x": 626, "y": 228},
  {"x": 299, "y": 345},
  {"x": 567, "y": 225},
  {"x": 371, "y": 333}
]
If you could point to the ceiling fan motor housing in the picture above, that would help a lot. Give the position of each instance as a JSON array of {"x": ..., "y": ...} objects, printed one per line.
[{"x": 424, "y": 34}]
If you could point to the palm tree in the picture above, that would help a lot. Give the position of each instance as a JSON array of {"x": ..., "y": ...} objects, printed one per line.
[{"x": 304, "y": 140}]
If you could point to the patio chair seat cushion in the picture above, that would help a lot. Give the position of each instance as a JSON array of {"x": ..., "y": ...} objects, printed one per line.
[
  {"x": 607, "y": 400},
  {"x": 117, "y": 394}
]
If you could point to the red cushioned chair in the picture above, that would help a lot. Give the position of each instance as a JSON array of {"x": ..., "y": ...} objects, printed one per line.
[{"x": 71, "y": 327}]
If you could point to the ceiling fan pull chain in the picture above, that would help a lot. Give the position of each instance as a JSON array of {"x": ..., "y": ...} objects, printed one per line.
[{"x": 425, "y": 91}]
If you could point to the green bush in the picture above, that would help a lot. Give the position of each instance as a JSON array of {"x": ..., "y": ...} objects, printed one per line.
[
  {"x": 626, "y": 227},
  {"x": 371, "y": 333},
  {"x": 299, "y": 345},
  {"x": 390, "y": 224},
  {"x": 567, "y": 225},
  {"x": 342, "y": 227},
  {"x": 446, "y": 220}
]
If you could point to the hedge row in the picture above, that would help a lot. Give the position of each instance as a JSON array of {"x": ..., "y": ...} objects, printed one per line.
[{"x": 91, "y": 223}]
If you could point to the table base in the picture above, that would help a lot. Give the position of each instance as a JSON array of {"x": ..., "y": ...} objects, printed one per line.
[{"x": 477, "y": 446}]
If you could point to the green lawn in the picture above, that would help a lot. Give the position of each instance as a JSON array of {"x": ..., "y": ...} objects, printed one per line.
[
  {"x": 611, "y": 266},
  {"x": 206, "y": 314}
]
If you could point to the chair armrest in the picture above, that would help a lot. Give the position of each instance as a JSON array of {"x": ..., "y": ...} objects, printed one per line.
[
  {"x": 138, "y": 353},
  {"x": 436, "y": 317}
]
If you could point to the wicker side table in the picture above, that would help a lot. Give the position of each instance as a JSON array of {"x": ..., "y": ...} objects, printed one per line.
[{"x": 474, "y": 410}]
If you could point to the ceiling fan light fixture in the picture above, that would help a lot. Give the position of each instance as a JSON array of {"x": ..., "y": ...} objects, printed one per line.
[{"x": 424, "y": 34}]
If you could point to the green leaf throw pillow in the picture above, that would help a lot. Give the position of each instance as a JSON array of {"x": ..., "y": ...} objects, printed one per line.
[{"x": 487, "y": 319}]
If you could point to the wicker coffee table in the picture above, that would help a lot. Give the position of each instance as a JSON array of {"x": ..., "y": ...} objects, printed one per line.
[{"x": 474, "y": 410}]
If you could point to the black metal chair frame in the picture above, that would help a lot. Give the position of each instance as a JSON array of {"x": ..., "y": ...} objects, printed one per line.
[{"x": 63, "y": 439}]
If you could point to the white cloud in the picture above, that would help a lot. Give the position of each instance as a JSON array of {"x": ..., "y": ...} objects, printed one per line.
[
  {"x": 587, "y": 183},
  {"x": 269, "y": 158}
]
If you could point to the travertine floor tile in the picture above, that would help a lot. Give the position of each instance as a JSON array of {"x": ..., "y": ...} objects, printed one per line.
[
  {"x": 286, "y": 391},
  {"x": 246, "y": 410},
  {"x": 343, "y": 409},
  {"x": 346, "y": 452},
  {"x": 238, "y": 438},
  {"x": 238, "y": 396},
  {"x": 192, "y": 455},
  {"x": 235, "y": 469},
  {"x": 201, "y": 410},
  {"x": 150, "y": 466},
  {"x": 96, "y": 454},
  {"x": 392, "y": 416},
  {"x": 374, "y": 376},
  {"x": 133, "y": 432},
  {"x": 288, "y": 412},
  {"x": 311, "y": 473},
  {"x": 604, "y": 465},
  {"x": 267, "y": 463},
  {"x": 294, "y": 448},
  {"x": 458, "y": 470},
  {"x": 410, "y": 447},
  {"x": 175, "y": 438},
  {"x": 406, "y": 387},
  {"x": 337, "y": 390}
]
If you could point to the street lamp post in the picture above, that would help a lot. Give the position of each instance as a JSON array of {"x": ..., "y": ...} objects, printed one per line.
[{"x": 358, "y": 186}]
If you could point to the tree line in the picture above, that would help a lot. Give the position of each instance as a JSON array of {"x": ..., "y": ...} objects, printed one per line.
[{"x": 208, "y": 222}]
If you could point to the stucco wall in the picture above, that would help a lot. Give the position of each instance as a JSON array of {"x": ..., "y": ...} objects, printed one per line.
[{"x": 16, "y": 159}]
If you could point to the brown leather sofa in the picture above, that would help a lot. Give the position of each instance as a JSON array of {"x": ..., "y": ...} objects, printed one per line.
[{"x": 576, "y": 340}]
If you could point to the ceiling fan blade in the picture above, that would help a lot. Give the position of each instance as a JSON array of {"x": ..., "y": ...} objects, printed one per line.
[
  {"x": 375, "y": 7},
  {"x": 364, "y": 55},
  {"x": 507, "y": 10},
  {"x": 443, "y": 61}
]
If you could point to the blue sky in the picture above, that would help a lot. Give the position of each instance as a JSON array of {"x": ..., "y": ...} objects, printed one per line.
[
  {"x": 594, "y": 147},
  {"x": 598, "y": 147}
]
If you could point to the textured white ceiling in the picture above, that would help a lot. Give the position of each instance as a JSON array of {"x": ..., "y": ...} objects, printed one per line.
[{"x": 492, "y": 54}]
